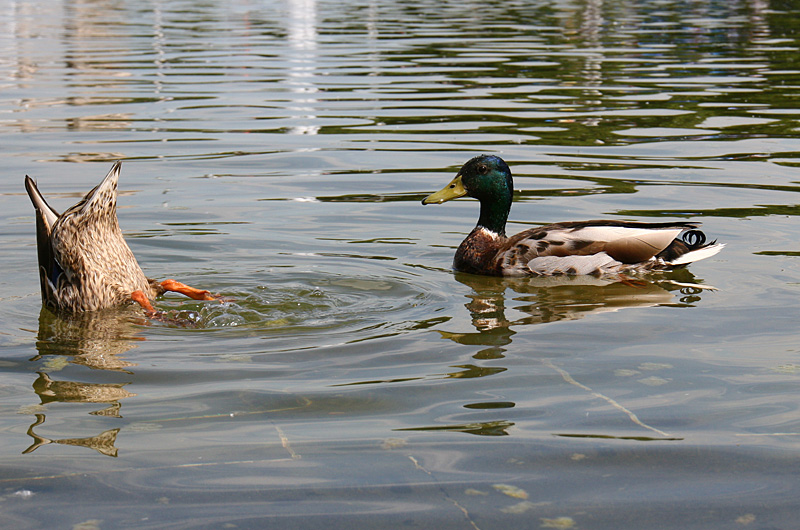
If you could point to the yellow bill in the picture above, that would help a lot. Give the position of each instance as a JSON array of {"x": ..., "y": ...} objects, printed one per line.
[{"x": 454, "y": 190}]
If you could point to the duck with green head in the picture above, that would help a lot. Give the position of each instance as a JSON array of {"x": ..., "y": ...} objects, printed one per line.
[
  {"x": 85, "y": 263},
  {"x": 597, "y": 247}
]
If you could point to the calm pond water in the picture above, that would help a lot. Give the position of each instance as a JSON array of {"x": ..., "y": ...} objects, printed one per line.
[{"x": 277, "y": 153}]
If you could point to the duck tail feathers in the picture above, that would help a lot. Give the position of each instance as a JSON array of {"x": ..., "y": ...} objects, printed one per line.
[
  {"x": 49, "y": 215},
  {"x": 697, "y": 254}
]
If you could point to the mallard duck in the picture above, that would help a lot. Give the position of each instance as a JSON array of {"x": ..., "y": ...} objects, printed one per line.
[
  {"x": 577, "y": 247},
  {"x": 84, "y": 262}
]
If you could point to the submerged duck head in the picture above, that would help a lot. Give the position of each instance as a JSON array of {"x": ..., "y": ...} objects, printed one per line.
[{"x": 488, "y": 179}]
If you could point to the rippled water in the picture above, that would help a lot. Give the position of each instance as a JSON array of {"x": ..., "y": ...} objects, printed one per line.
[{"x": 276, "y": 153}]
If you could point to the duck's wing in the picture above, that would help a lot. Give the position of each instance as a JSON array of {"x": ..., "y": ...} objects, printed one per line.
[
  {"x": 49, "y": 268},
  {"x": 586, "y": 247}
]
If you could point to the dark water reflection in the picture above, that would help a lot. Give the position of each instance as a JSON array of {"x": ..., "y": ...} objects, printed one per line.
[
  {"x": 276, "y": 153},
  {"x": 103, "y": 443},
  {"x": 96, "y": 340},
  {"x": 551, "y": 299},
  {"x": 548, "y": 300}
]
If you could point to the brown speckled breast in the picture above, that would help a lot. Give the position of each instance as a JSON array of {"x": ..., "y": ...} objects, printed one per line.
[{"x": 478, "y": 252}]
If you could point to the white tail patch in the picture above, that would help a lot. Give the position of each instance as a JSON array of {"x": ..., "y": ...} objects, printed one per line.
[{"x": 697, "y": 255}]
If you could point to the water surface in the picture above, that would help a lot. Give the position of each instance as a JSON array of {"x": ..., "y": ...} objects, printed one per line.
[{"x": 277, "y": 154}]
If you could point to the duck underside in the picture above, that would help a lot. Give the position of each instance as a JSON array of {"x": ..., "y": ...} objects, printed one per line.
[{"x": 85, "y": 263}]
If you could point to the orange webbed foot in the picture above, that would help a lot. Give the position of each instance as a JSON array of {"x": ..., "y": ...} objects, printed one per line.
[
  {"x": 160, "y": 316},
  {"x": 191, "y": 292},
  {"x": 140, "y": 298}
]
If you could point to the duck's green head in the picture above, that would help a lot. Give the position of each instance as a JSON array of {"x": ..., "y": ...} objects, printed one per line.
[
  {"x": 485, "y": 177},
  {"x": 488, "y": 179}
]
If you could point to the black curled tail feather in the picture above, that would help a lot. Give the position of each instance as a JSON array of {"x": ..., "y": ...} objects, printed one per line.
[
  {"x": 690, "y": 240},
  {"x": 695, "y": 239}
]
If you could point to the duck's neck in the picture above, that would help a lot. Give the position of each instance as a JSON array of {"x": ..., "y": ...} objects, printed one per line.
[{"x": 494, "y": 215}]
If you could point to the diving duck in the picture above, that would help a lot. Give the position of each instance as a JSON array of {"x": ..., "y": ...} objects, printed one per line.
[
  {"x": 598, "y": 247},
  {"x": 84, "y": 262}
]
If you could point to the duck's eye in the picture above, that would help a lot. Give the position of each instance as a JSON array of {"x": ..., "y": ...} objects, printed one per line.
[{"x": 483, "y": 169}]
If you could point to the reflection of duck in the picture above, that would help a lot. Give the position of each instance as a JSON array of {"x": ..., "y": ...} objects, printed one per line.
[
  {"x": 84, "y": 262},
  {"x": 95, "y": 340},
  {"x": 77, "y": 392},
  {"x": 488, "y": 428},
  {"x": 573, "y": 248},
  {"x": 554, "y": 298},
  {"x": 103, "y": 443}
]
